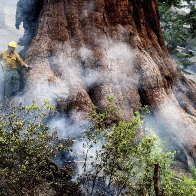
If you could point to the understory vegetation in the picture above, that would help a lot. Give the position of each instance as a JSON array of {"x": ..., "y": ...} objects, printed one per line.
[
  {"x": 128, "y": 160},
  {"x": 27, "y": 150}
]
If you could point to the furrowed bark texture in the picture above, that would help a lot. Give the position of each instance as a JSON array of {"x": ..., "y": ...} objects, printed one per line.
[{"x": 75, "y": 38}]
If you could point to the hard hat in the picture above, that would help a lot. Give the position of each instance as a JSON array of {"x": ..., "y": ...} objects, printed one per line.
[{"x": 12, "y": 44}]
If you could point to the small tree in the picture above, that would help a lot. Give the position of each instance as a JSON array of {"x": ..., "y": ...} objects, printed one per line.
[{"x": 127, "y": 162}]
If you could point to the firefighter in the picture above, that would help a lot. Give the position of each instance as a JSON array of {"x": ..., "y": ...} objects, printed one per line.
[{"x": 9, "y": 59}]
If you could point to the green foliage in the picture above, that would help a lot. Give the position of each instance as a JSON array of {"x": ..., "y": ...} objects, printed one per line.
[
  {"x": 179, "y": 29},
  {"x": 187, "y": 186},
  {"x": 170, "y": 2},
  {"x": 26, "y": 150},
  {"x": 125, "y": 159}
]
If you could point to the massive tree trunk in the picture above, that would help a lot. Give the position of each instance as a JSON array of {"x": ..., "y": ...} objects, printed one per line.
[{"x": 85, "y": 51}]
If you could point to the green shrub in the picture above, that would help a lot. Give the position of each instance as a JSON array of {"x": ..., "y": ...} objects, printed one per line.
[{"x": 26, "y": 150}]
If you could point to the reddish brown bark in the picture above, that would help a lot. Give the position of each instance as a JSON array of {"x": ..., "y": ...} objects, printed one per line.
[
  {"x": 156, "y": 180},
  {"x": 65, "y": 26}
]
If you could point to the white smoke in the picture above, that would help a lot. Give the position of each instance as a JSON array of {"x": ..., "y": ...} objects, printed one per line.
[
  {"x": 67, "y": 65},
  {"x": 69, "y": 68},
  {"x": 69, "y": 127},
  {"x": 118, "y": 57},
  {"x": 176, "y": 133},
  {"x": 184, "y": 132},
  {"x": 86, "y": 155},
  {"x": 69, "y": 74}
]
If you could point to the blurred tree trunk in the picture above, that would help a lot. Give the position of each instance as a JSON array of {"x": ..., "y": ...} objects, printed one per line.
[
  {"x": 121, "y": 43},
  {"x": 2, "y": 15}
]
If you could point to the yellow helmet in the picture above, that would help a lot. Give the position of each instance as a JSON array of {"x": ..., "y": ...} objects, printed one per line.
[{"x": 12, "y": 44}]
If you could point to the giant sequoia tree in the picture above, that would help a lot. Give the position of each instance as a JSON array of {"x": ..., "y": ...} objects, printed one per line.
[{"x": 85, "y": 51}]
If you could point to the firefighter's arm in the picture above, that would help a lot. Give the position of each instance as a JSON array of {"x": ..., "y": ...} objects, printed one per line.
[
  {"x": 21, "y": 61},
  {"x": 1, "y": 55}
]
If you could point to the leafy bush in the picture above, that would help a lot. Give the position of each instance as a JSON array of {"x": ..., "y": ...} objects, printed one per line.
[{"x": 26, "y": 150}]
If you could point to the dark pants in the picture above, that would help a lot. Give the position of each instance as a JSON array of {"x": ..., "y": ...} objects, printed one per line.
[{"x": 11, "y": 83}]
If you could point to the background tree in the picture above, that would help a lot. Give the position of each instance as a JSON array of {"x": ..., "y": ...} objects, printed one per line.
[
  {"x": 178, "y": 21},
  {"x": 2, "y": 15}
]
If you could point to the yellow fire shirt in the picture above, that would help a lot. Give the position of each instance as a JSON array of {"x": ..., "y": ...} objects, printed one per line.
[{"x": 10, "y": 60}]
